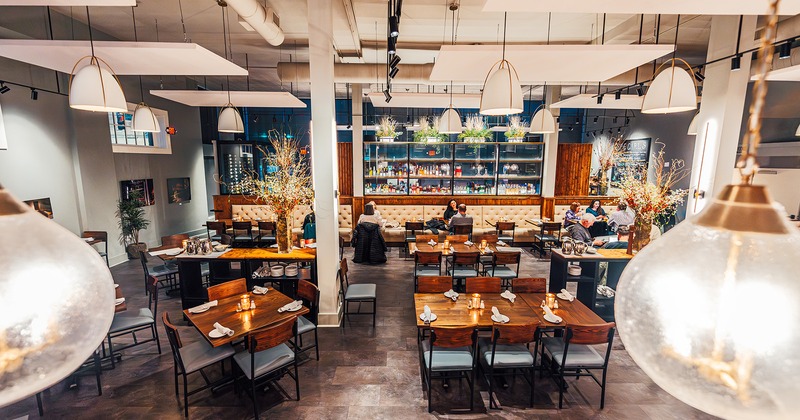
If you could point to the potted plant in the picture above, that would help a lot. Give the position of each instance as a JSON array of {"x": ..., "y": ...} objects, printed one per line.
[
  {"x": 427, "y": 132},
  {"x": 387, "y": 129},
  {"x": 516, "y": 130},
  {"x": 131, "y": 220},
  {"x": 475, "y": 130}
]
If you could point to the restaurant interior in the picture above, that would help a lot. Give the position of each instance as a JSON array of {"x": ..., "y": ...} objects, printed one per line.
[{"x": 399, "y": 209}]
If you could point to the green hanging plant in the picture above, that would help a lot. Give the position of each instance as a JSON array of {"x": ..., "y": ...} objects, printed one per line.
[
  {"x": 475, "y": 130},
  {"x": 428, "y": 131}
]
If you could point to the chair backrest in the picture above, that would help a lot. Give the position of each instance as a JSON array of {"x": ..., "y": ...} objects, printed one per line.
[
  {"x": 551, "y": 228},
  {"x": 434, "y": 284},
  {"x": 514, "y": 333},
  {"x": 483, "y": 285},
  {"x": 309, "y": 294},
  {"x": 244, "y": 227},
  {"x": 271, "y": 336},
  {"x": 466, "y": 258},
  {"x": 589, "y": 335},
  {"x": 462, "y": 230},
  {"x": 529, "y": 285},
  {"x": 218, "y": 227},
  {"x": 457, "y": 239},
  {"x": 266, "y": 226},
  {"x": 426, "y": 238},
  {"x": 227, "y": 289},
  {"x": 504, "y": 226},
  {"x": 174, "y": 241},
  {"x": 427, "y": 257},
  {"x": 504, "y": 258},
  {"x": 453, "y": 336},
  {"x": 152, "y": 289},
  {"x": 342, "y": 274},
  {"x": 488, "y": 237},
  {"x": 96, "y": 234},
  {"x": 225, "y": 239},
  {"x": 414, "y": 226},
  {"x": 145, "y": 269}
]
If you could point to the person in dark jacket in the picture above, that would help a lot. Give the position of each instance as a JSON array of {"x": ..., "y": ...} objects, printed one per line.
[
  {"x": 368, "y": 243},
  {"x": 450, "y": 211}
]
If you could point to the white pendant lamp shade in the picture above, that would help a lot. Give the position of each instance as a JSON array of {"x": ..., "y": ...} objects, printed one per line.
[
  {"x": 502, "y": 94},
  {"x": 145, "y": 120},
  {"x": 673, "y": 90},
  {"x": 95, "y": 88},
  {"x": 543, "y": 122},
  {"x": 450, "y": 122},
  {"x": 692, "y": 131},
  {"x": 797, "y": 132},
  {"x": 230, "y": 121}
]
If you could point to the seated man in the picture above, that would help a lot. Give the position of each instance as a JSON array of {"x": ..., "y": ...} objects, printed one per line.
[
  {"x": 623, "y": 235},
  {"x": 621, "y": 217},
  {"x": 580, "y": 231},
  {"x": 460, "y": 218}
]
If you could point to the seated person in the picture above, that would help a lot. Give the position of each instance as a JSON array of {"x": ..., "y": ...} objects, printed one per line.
[
  {"x": 596, "y": 210},
  {"x": 375, "y": 209},
  {"x": 621, "y": 217},
  {"x": 370, "y": 216},
  {"x": 580, "y": 231},
  {"x": 450, "y": 211},
  {"x": 310, "y": 225},
  {"x": 573, "y": 215},
  {"x": 623, "y": 235},
  {"x": 460, "y": 218}
]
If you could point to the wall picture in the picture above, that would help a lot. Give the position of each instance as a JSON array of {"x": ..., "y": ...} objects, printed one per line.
[
  {"x": 144, "y": 186},
  {"x": 42, "y": 205},
  {"x": 178, "y": 190}
]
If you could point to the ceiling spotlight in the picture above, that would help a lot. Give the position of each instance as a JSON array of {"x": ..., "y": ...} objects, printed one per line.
[
  {"x": 618, "y": 95},
  {"x": 599, "y": 99},
  {"x": 4, "y": 88},
  {"x": 627, "y": 120},
  {"x": 395, "y": 61},
  {"x": 393, "y": 72},
  {"x": 640, "y": 89},
  {"x": 785, "y": 50},
  {"x": 736, "y": 62},
  {"x": 595, "y": 119},
  {"x": 699, "y": 76},
  {"x": 34, "y": 94},
  {"x": 558, "y": 120},
  {"x": 392, "y": 48},
  {"x": 387, "y": 95},
  {"x": 394, "y": 27},
  {"x": 619, "y": 130},
  {"x": 571, "y": 128}
]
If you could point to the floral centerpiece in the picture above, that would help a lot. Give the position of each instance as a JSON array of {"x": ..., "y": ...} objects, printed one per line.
[
  {"x": 427, "y": 132},
  {"x": 516, "y": 130},
  {"x": 609, "y": 152},
  {"x": 387, "y": 129},
  {"x": 651, "y": 199},
  {"x": 475, "y": 130},
  {"x": 285, "y": 185}
]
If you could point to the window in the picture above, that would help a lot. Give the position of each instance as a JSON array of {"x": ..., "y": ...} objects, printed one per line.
[{"x": 125, "y": 140}]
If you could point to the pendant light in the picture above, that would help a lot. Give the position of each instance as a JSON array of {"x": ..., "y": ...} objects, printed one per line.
[
  {"x": 450, "y": 121},
  {"x": 710, "y": 311},
  {"x": 672, "y": 90},
  {"x": 502, "y": 93},
  {"x": 692, "y": 131},
  {"x": 229, "y": 119},
  {"x": 542, "y": 121},
  {"x": 797, "y": 132},
  {"x": 56, "y": 301},
  {"x": 144, "y": 120},
  {"x": 94, "y": 86}
]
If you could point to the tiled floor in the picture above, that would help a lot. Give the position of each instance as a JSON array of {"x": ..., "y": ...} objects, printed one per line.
[{"x": 363, "y": 373}]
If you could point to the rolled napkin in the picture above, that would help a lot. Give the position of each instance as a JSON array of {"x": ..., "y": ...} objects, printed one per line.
[
  {"x": 292, "y": 306},
  {"x": 468, "y": 243},
  {"x": 260, "y": 290},
  {"x": 452, "y": 249},
  {"x": 452, "y": 294},
  {"x": 497, "y": 316},
  {"x": 426, "y": 313},
  {"x": 89, "y": 239},
  {"x": 119, "y": 301},
  {"x": 508, "y": 295},
  {"x": 495, "y": 311},
  {"x": 202, "y": 308},
  {"x": 567, "y": 295},
  {"x": 550, "y": 316},
  {"x": 501, "y": 243},
  {"x": 431, "y": 242},
  {"x": 223, "y": 330}
]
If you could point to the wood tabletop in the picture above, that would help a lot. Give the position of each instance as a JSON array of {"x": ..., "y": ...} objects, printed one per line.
[
  {"x": 602, "y": 254},
  {"x": 164, "y": 257},
  {"x": 458, "y": 247},
  {"x": 242, "y": 323},
  {"x": 302, "y": 254},
  {"x": 525, "y": 309}
]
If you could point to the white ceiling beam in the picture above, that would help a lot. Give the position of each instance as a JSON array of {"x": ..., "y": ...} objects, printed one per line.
[
  {"x": 217, "y": 98},
  {"x": 684, "y": 7},
  {"x": 68, "y": 3}
]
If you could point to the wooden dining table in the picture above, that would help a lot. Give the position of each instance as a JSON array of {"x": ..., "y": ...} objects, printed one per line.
[
  {"x": 242, "y": 323},
  {"x": 457, "y": 247}
]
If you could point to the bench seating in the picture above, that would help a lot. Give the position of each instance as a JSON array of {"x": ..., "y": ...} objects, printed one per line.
[{"x": 261, "y": 212}]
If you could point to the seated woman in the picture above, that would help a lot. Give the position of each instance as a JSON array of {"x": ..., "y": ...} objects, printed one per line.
[
  {"x": 370, "y": 216},
  {"x": 573, "y": 215},
  {"x": 451, "y": 210},
  {"x": 596, "y": 210},
  {"x": 368, "y": 243}
]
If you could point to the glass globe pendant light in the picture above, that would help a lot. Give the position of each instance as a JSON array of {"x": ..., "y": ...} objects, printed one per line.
[
  {"x": 502, "y": 93},
  {"x": 56, "y": 301},
  {"x": 711, "y": 310}
]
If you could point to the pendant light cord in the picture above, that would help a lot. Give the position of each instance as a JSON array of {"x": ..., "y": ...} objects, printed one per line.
[
  {"x": 505, "y": 18},
  {"x": 136, "y": 39},
  {"x": 89, "y": 24},
  {"x": 677, "y": 27},
  {"x": 225, "y": 45}
]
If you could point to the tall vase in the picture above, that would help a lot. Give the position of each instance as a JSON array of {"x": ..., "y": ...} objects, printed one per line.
[
  {"x": 603, "y": 187},
  {"x": 641, "y": 233},
  {"x": 283, "y": 233}
]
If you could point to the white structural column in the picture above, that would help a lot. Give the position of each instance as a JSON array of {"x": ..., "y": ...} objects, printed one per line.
[
  {"x": 721, "y": 111},
  {"x": 551, "y": 146},
  {"x": 358, "y": 140},
  {"x": 324, "y": 157}
]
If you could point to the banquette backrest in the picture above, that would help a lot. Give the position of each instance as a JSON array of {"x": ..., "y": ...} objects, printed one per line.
[
  {"x": 261, "y": 212},
  {"x": 516, "y": 214},
  {"x": 560, "y": 211},
  {"x": 400, "y": 213},
  {"x": 345, "y": 216}
]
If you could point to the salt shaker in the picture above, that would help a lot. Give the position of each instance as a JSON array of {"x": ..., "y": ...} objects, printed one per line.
[
  {"x": 252, "y": 304},
  {"x": 482, "y": 305},
  {"x": 238, "y": 307},
  {"x": 555, "y": 305}
]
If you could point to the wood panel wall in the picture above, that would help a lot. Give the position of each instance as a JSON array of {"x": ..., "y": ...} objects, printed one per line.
[
  {"x": 345, "y": 152},
  {"x": 573, "y": 168}
]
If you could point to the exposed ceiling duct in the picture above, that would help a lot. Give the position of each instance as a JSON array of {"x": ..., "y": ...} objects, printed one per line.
[
  {"x": 264, "y": 21},
  {"x": 358, "y": 73}
]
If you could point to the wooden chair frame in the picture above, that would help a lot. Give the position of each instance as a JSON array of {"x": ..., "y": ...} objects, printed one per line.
[
  {"x": 529, "y": 285},
  {"x": 344, "y": 283},
  {"x": 451, "y": 337},
  {"x": 511, "y": 334},
  {"x": 227, "y": 289}
]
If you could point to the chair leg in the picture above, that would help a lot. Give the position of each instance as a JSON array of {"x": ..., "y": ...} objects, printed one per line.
[
  {"x": 255, "y": 403},
  {"x": 491, "y": 389},
  {"x": 374, "y": 310},
  {"x": 155, "y": 336},
  {"x": 296, "y": 380},
  {"x": 111, "y": 352},
  {"x": 560, "y": 389},
  {"x": 39, "y": 404},
  {"x": 603, "y": 389},
  {"x": 175, "y": 373},
  {"x": 430, "y": 389},
  {"x": 185, "y": 396},
  {"x": 316, "y": 343},
  {"x": 472, "y": 391}
]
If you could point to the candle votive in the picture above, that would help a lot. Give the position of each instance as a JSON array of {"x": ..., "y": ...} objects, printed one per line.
[
  {"x": 447, "y": 243},
  {"x": 183, "y": 243},
  {"x": 484, "y": 243},
  {"x": 550, "y": 300},
  {"x": 245, "y": 301},
  {"x": 476, "y": 300}
]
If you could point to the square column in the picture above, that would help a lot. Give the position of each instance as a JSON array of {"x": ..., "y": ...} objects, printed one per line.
[
  {"x": 358, "y": 140},
  {"x": 551, "y": 146}
]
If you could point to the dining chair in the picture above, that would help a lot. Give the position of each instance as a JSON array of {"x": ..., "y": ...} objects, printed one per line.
[
  {"x": 508, "y": 350},
  {"x": 226, "y": 239},
  {"x": 457, "y": 239},
  {"x": 427, "y": 263},
  {"x": 450, "y": 350},
  {"x": 92, "y": 366},
  {"x": 529, "y": 285},
  {"x": 501, "y": 266},
  {"x": 573, "y": 355},
  {"x": 266, "y": 233},
  {"x": 548, "y": 237},
  {"x": 411, "y": 234},
  {"x": 192, "y": 358},
  {"x": 434, "y": 284},
  {"x": 219, "y": 229},
  {"x": 98, "y": 235},
  {"x": 125, "y": 323},
  {"x": 227, "y": 289},
  {"x": 490, "y": 238},
  {"x": 427, "y": 237},
  {"x": 163, "y": 273},
  {"x": 463, "y": 265},
  {"x": 483, "y": 285},
  {"x": 268, "y": 358},
  {"x": 243, "y": 232},
  {"x": 309, "y": 294},
  {"x": 174, "y": 241},
  {"x": 462, "y": 230},
  {"x": 505, "y": 231},
  {"x": 356, "y": 293}
]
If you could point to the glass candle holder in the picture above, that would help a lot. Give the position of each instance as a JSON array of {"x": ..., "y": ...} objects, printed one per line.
[
  {"x": 484, "y": 243},
  {"x": 550, "y": 300},
  {"x": 446, "y": 243},
  {"x": 475, "y": 299},
  {"x": 183, "y": 243},
  {"x": 245, "y": 301}
]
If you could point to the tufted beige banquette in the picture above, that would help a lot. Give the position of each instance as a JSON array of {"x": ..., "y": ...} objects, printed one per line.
[{"x": 260, "y": 212}]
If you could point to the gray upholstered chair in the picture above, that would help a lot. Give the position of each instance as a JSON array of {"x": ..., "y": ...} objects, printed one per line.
[
  {"x": 164, "y": 274},
  {"x": 309, "y": 294},
  {"x": 356, "y": 293},
  {"x": 508, "y": 352},
  {"x": 98, "y": 235},
  {"x": 504, "y": 265},
  {"x": 427, "y": 263},
  {"x": 125, "y": 323},
  {"x": 464, "y": 264},
  {"x": 450, "y": 350}
]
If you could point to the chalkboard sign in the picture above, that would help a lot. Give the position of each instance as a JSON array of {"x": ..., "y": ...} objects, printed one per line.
[{"x": 635, "y": 154}]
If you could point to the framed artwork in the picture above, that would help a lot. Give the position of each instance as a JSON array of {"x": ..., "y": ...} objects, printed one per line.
[
  {"x": 635, "y": 154},
  {"x": 144, "y": 186},
  {"x": 178, "y": 190},
  {"x": 42, "y": 205}
]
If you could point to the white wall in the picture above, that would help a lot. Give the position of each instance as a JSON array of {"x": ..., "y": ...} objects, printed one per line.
[{"x": 784, "y": 187}]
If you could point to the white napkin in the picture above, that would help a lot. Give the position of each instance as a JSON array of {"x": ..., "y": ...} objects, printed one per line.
[
  {"x": 312, "y": 246},
  {"x": 498, "y": 315},
  {"x": 452, "y": 249},
  {"x": 452, "y": 294},
  {"x": 203, "y": 307},
  {"x": 432, "y": 242},
  {"x": 89, "y": 239},
  {"x": 119, "y": 301},
  {"x": 567, "y": 295},
  {"x": 291, "y": 306},
  {"x": 426, "y": 311},
  {"x": 223, "y": 330},
  {"x": 260, "y": 290},
  {"x": 468, "y": 243},
  {"x": 550, "y": 316},
  {"x": 501, "y": 243},
  {"x": 508, "y": 295}
]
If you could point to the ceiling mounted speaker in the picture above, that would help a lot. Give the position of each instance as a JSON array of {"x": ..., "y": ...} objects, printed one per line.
[
  {"x": 673, "y": 90},
  {"x": 692, "y": 131},
  {"x": 450, "y": 122},
  {"x": 230, "y": 121},
  {"x": 145, "y": 120},
  {"x": 543, "y": 122},
  {"x": 95, "y": 88},
  {"x": 502, "y": 94}
]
